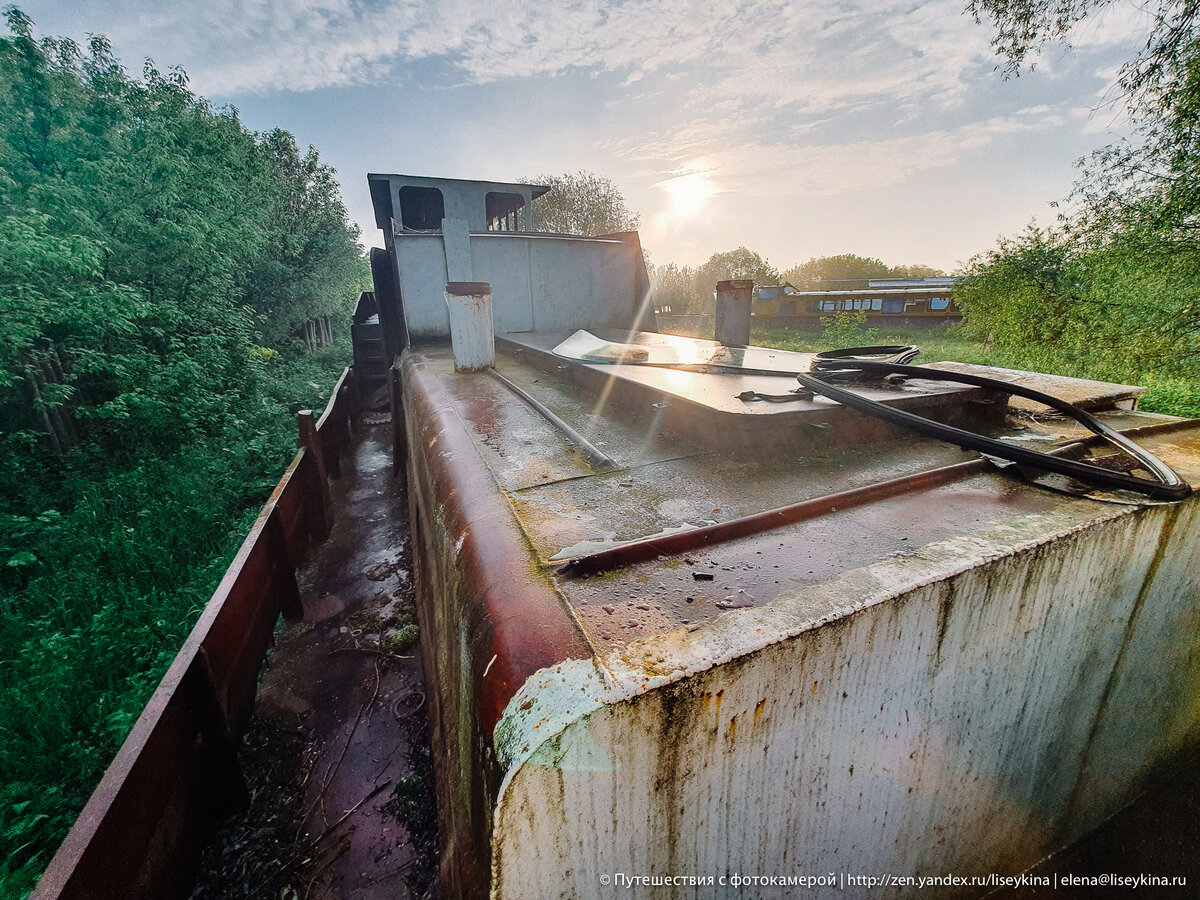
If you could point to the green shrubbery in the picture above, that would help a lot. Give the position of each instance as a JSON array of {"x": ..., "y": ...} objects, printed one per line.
[
  {"x": 1123, "y": 308},
  {"x": 154, "y": 258},
  {"x": 848, "y": 329}
]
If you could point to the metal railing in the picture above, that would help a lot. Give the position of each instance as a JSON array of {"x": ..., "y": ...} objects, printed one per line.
[{"x": 176, "y": 775}]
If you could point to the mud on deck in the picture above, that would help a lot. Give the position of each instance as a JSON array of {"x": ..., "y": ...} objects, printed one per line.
[{"x": 337, "y": 756}]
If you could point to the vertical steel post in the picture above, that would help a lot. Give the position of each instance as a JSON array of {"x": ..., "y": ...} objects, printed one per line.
[{"x": 322, "y": 510}]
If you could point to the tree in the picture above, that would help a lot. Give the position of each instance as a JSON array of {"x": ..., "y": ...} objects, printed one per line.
[
  {"x": 311, "y": 258},
  {"x": 1152, "y": 181},
  {"x": 150, "y": 246},
  {"x": 843, "y": 267},
  {"x": 916, "y": 270},
  {"x": 739, "y": 263},
  {"x": 1119, "y": 276},
  {"x": 672, "y": 287},
  {"x": 581, "y": 203},
  {"x": 819, "y": 271}
]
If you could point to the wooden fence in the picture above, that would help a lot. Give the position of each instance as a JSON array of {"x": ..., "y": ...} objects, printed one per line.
[{"x": 176, "y": 775}]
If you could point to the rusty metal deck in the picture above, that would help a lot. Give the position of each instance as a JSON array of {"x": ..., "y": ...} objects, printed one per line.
[
  {"x": 688, "y": 628},
  {"x": 666, "y": 485}
]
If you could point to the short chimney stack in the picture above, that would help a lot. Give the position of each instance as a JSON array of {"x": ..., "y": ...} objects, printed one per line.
[
  {"x": 733, "y": 312},
  {"x": 470, "y": 306}
]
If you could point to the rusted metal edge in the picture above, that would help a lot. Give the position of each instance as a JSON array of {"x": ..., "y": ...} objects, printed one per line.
[
  {"x": 59, "y": 878},
  {"x": 523, "y": 622},
  {"x": 1151, "y": 430},
  {"x": 595, "y": 456},
  {"x": 334, "y": 397},
  {"x": 745, "y": 526},
  {"x": 134, "y": 784}
]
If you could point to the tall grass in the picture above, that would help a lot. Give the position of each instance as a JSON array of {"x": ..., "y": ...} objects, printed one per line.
[{"x": 109, "y": 582}]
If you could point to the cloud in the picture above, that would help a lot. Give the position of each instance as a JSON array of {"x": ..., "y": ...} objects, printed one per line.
[
  {"x": 757, "y": 169},
  {"x": 808, "y": 54},
  {"x": 776, "y": 97}
]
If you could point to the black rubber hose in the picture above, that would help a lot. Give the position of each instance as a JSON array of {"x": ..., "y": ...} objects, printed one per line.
[
  {"x": 839, "y": 364},
  {"x": 1169, "y": 485}
]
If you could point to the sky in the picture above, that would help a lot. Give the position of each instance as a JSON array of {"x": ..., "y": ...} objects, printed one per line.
[{"x": 798, "y": 129}]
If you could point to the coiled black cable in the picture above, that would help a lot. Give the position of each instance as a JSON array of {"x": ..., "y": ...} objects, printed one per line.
[{"x": 851, "y": 364}]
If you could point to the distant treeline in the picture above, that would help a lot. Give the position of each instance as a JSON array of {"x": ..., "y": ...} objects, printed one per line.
[
  {"x": 688, "y": 290},
  {"x": 156, "y": 258}
]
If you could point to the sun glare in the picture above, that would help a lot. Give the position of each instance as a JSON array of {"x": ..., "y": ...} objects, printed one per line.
[{"x": 690, "y": 191}]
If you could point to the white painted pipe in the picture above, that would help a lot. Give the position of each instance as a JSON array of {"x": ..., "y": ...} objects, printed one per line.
[{"x": 471, "y": 336}]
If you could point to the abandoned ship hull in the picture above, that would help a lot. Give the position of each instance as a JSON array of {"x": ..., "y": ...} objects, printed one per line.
[
  {"x": 683, "y": 621},
  {"x": 959, "y": 678}
]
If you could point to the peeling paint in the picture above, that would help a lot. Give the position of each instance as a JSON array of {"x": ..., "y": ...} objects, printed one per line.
[
  {"x": 920, "y": 680},
  {"x": 595, "y": 546}
]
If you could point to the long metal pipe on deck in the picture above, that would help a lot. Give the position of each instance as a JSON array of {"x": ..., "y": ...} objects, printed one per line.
[{"x": 595, "y": 456}]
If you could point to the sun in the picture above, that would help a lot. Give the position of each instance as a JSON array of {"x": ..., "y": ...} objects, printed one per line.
[{"x": 690, "y": 190}]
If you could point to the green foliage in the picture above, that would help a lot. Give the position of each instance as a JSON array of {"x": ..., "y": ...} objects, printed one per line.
[
  {"x": 154, "y": 257},
  {"x": 1126, "y": 305},
  {"x": 848, "y": 329},
  {"x": 819, "y": 272},
  {"x": 1113, "y": 288},
  {"x": 812, "y": 275},
  {"x": 581, "y": 203},
  {"x": 1151, "y": 182},
  {"x": 404, "y": 639}
]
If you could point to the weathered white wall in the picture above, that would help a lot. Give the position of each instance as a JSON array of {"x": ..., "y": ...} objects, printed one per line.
[
  {"x": 966, "y": 709},
  {"x": 539, "y": 282}
]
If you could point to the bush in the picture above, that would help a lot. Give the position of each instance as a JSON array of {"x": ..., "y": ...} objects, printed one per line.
[{"x": 848, "y": 329}]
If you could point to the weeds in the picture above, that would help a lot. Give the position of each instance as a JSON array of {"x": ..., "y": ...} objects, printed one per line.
[
  {"x": 101, "y": 589},
  {"x": 848, "y": 329}
]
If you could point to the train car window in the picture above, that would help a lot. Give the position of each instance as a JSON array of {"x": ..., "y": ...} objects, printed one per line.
[
  {"x": 829, "y": 305},
  {"x": 877, "y": 304},
  {"x": 421, "y": 208},
  {"x": 787, "y": 308},
  {"x": 939, "y": 302},
  {"x": 893, "y": 304}
]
